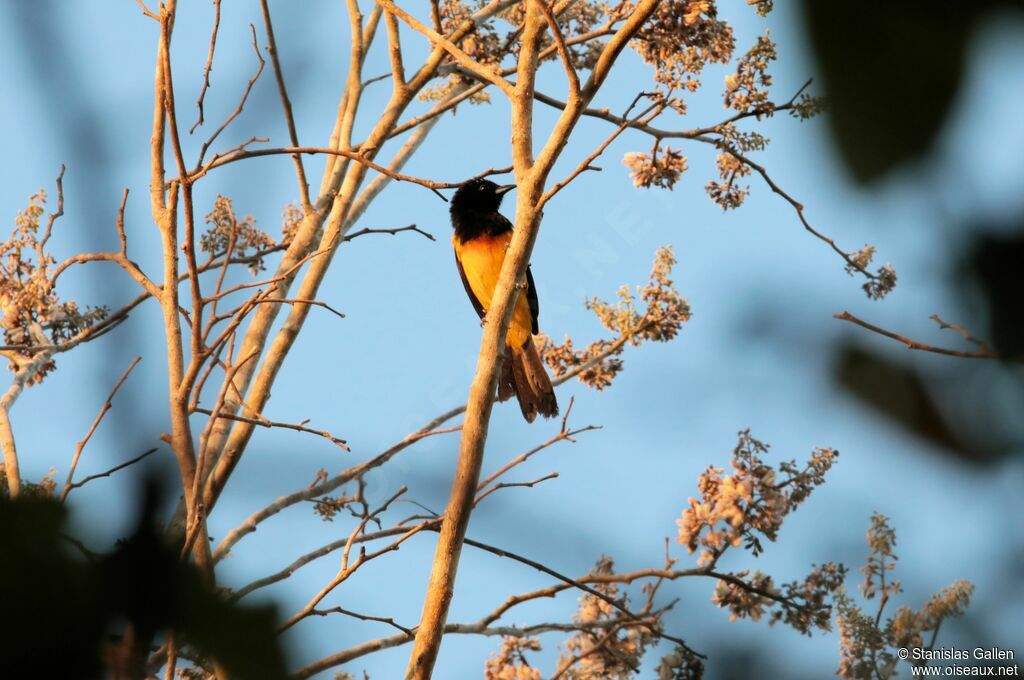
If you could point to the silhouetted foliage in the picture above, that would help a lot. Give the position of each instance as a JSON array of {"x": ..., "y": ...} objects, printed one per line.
[{"x": 91, "y": 615}]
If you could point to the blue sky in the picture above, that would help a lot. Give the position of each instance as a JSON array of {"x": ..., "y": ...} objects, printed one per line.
[{"x": 77, "y": 89}]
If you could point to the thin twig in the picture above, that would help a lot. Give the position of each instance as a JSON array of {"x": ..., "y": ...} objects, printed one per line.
[
  {"x": 221, "y": 160},
  {"x": 397, "y": 230},
  {"x": 286, "y": 104},
  {"x": 362, "y": 617},
  {"x": 966, "y": 334},
  {"x": 238, "y": 109},
  {"x": 209, "y": 65},
  {"x": 116, "y": 468},
  {"x": 95, "y": 423},
  {"x": 451, "y": 48},
  {"x": 298, "y": 427},
  {"x": 347, "y": 569},
  {"x": 511, "y": 485},
  {"x": 914, "y": 344}
]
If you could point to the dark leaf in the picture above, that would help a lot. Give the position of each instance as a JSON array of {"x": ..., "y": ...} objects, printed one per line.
[
  {"x": 74, "y": 617},
  {"x": 898, "y": 392},
  {"x": 890, "y": 74},
  {"x": 995, "y": 267}
]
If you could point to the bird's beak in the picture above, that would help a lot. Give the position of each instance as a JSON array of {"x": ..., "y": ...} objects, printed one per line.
[{"x": 502, "y": 190}]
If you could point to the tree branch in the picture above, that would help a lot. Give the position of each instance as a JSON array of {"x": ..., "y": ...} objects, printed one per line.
[
  {"x": 95, "y": 423},
  {"x": 914, "y": 344}
]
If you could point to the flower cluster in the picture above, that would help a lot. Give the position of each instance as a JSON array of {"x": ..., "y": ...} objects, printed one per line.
[
  {"x": 680, "y": 39},
  {"x": 861, "y": 259},
  {"x": 746, "y": 89},
  {"x": 291, "y": 218},
  {"x": 665, "y": 313},
  {"x": 750, "y": 503},
  {"x": 807, "y": 107},
  {"x": 660, "y": 170},
  {"x": 743, "y": 597},
  {"x": 881, "y": 560},
  {"x": 680, "y": 664},
  {"x": 510, "y": 662},
  {"x": 731, "y": 136},
  {"x": 240, "y": 236},
  {"x": 32, "y": 313},
  {"x": 565, "y": 357},
  {"x": 881, "y": 282},
  {"x": 575, "y": 20},
  {"x": 727, "y": 193},
  {"x": 660, "y": 321},
  {"x": 328, "y": 507},
  {"x": 866, "y": 646},
  {"x": 621, "y": 649},
  {"x": 483, "y": 44}
]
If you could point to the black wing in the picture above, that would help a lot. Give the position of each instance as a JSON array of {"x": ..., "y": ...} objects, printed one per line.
[
  {"x": 469, "y": 291},
  {"x": 531, "y": 299}
]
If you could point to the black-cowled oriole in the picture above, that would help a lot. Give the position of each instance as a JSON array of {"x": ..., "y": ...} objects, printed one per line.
[{"x": 481, "y": 237}]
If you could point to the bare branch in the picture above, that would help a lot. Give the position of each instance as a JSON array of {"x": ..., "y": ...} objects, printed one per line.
[
  {"x": 359, "y": 157},
  {"x": 512, "y": 485},
  {"x": 531, "y": 176},
  {"x": 362, "y": 617},
  {"x": 145, "y": 10},
  {"x": 563, "y": 51},
  {"x": 586, "y": 163},
  {"x": 396, "y": 230},
  {"x": 53, "y": 217},
  {"x": 329, "y": 485},
  {"x": 565, "y": 434},
  {"x": 346, "y": 569},
  {"x": 463, "y": 59},
  {"x": 116, "y": 468},
  {"x": 966, "y": 334},
  {"x": 914, "y": 344},
  {"x": 286, "y": 103},
  {"x": 95, "y": 423},
  {"x": 236, "y": 112},
  {"x": 209, "y": 65},
  {"x": 298, "y": 427},
  {"x": 395, "y": 51},
  {"x": 579, "y": 585}
]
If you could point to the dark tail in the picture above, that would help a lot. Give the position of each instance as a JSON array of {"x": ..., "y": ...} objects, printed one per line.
[{"x": 523, "y": 374}]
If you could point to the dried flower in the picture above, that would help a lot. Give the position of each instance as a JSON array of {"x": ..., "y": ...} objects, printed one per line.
[
  {"x": 807, "y": 106},
  {"x": 727, "y": 193},
  {"x": 749, "y": 504},
  {"x": 660, "y": 170},
  {"x": 291, "y": 219},
  {"x": 660, "y": 321},
  {"x": 680, "y": 664},
  {"x": 746, "y": 89},
  {"x": 32, "y": 313},
  {"x": 239, "y": 236},
  {"x": 882, "y": 284},
  {"x": 510, "y": 663},
  {"x": 866, "y": 648},
  {"x": 680, "y": 39},
  {"x": 621, "y": 652}
]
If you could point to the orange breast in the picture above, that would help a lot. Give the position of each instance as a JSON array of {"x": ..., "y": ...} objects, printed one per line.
[{"x": 481, "y": 261}]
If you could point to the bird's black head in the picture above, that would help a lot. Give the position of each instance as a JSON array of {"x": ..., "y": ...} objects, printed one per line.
[{"x": 479, "y": 196}]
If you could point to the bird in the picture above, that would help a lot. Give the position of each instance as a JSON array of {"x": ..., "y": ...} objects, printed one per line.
[{"x": 480, "y": 238}]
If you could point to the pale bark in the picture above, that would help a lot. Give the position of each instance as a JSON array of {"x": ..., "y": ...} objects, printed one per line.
[
  {"x": 531, "y": 177},
  {"x": 27, "y": 369},
  {"x": 231, "y": 437}
]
